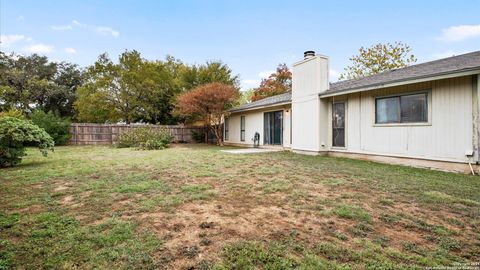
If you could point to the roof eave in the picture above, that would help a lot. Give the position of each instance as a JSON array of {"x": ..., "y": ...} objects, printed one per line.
[
  {"x": 438, "y": 76},
  {"x": 261, "y": 107}
]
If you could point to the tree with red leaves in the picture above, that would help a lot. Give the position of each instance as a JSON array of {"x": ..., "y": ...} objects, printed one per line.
[
  {"x": 277, "y": 83},
  {"x": 209, "y": 102}
]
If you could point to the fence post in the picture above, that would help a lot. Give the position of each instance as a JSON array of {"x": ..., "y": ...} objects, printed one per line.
[
  {"x": 111, "y": 133},
  {"x": 76, "y": 133}
]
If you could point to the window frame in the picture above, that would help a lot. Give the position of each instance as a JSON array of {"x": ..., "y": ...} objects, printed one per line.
[
  {"x": 242, "y": 128},
  {"x": 226, "y": 128},
  {"x": 282, "y": 113},
  {"x": 345, "y": 104},
  {"x": 428, "y": 94}
]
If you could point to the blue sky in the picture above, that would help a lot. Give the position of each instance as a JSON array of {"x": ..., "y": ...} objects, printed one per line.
[{"x": 252, "y": 37}]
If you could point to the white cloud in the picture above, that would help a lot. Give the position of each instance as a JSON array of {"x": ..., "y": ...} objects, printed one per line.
[
  {"x": 61, "y": 27},
  {"x": 39, "y": 48},
  {"x": 102, "y": 30},
  {"x": 107, "y": 31},
  {"x": 9, "y": 40},
  {"x": 333, "y": 75},
  {"x": 77, "y": 23},
  {"x": 265, "y": 74},
  {"x": 20, "y": 18},
  {"x": 249, "y": 83},
  {"x": 21, "y": 43},
  {"x": 460, "y": 32},
  {"x": 70, "y": 50}
]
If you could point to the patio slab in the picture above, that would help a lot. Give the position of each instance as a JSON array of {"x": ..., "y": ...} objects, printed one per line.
[{"x": 251, "y": 150}]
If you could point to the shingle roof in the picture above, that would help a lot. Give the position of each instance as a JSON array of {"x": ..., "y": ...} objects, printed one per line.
[
  {"x": 450, "y": 65},
  {"x": 269, "y": 101}
]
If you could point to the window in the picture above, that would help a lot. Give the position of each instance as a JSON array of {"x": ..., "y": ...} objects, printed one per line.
[
  {"x": 338, "y": 124},
  {"x": 242, "y": 128},
  {"x": 402, "y": 109},
  {"x": 226, "y": 129}
]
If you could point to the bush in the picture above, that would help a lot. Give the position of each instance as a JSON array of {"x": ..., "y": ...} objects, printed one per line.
[
  {"x": 57, "y": 127},
  {"x": 198, "y": 136},
  {"x": 15, "y": 135},
  {"x": 145, "y": 138},
  {"x": 13, "y": 113}
]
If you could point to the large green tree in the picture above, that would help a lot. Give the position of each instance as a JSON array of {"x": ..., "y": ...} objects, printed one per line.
[
  {"x": 378, "y": 58},
  {"x": 114, "y": 92},
  {"x": 210, "y": 72},
  {"x": 33, "y": 82}
]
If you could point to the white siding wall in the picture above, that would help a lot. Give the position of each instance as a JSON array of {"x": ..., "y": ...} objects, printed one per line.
[
  {"x": 447, "y": 137},
  {"x": 309, "y": 78},
  {"x": 254, "y": 123}
]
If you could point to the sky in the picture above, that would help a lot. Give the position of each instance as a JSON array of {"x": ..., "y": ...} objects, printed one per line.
[{"x": 252, "y": 37}]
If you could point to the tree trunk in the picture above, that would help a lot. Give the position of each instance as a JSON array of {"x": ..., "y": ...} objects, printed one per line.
[
  {"x": 216, "y": 132},
  {"x": 206, "y": 133}
]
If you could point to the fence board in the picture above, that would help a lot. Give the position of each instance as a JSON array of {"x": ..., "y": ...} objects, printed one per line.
[{"x": 96, "y": 134}]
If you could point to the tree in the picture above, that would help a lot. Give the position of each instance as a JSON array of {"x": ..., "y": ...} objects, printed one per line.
[
  {"x": 277, "y": 83},
  {"x": 57, "y": 127},
  {"x": 94, "y": 106},
  {"x": 132, "y": 90},
  {"x": 162, "y": 85},
  {"x": 209, "y": 102},
  {"x": 32, "y": 82},
  {"x": 214, "y": 71},
  {"x": 246, "y": 96},
  {"x": 95, "y": 98},
  {"x": 378, "y": 58},
  {"x": 69, "y": 78}
]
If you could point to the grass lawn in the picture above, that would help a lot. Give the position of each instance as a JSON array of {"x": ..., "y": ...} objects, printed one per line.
[{"x": 194, "y": 207}]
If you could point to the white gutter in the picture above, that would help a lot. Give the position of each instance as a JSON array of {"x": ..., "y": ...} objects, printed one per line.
[{"x": 261, "y": 107}]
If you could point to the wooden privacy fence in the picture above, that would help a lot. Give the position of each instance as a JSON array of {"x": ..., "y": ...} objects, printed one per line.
[{"x": 91, "y": 134}]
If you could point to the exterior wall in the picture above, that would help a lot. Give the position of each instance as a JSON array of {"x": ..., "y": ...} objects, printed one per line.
[
  {"x": 310, "y": 77},
  {"x": 447, "y": 135},
  {"x": 476, "y": 116},
  {"x": 254, "y": 123}
]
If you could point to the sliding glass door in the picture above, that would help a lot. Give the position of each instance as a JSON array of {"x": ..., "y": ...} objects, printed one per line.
[{"x": 273, "y": 128}]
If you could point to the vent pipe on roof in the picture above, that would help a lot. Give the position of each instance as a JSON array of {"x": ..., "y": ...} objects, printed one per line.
[{"x": 308, "y": 54}]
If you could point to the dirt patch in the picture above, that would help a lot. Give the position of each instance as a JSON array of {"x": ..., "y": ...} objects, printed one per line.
[
  {"x": 67, "y": 200},
  {"x": 206, "y": 228},
  {"x": 85, "y": 194},
  {"x": 61, "y": 187},
  {"x": 397, "y": 237},
  {"x": 32, "y": 209}
]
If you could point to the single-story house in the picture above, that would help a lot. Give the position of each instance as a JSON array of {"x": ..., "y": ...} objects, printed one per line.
[{"x": 422, "y": 115}]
